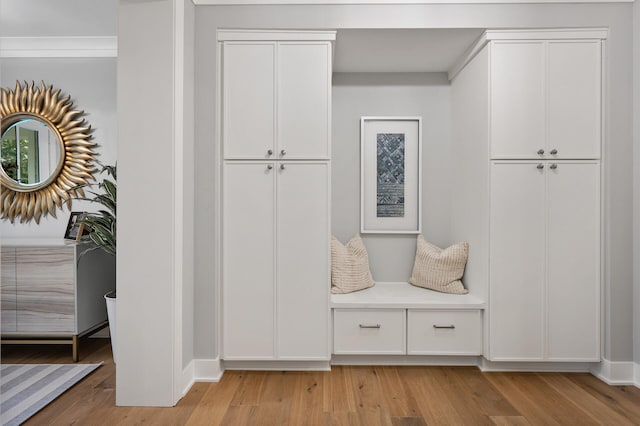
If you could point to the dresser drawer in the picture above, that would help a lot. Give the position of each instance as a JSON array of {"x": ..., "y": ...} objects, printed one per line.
[
  {"x": 369, "y": 331},
  {"x": 442, "y": 332}
]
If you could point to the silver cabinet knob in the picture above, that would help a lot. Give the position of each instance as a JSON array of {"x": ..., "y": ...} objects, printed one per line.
[
  {"x": 270, "y": 152},
  {"x": 553, "y": 166},
  {"x": 282, "y": 167},
  {"x": 540, "y": 166},
  {"x": 553, "y": 152},
  {"x": 541, "y": 152},
  {"x": 269, "y": 167},
  {"x": 283, "y": 152}
]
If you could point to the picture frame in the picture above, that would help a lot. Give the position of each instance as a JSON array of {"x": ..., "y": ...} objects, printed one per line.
[
  {"x": 75, "y": 229},
  {"x": 390, "y": 175}
]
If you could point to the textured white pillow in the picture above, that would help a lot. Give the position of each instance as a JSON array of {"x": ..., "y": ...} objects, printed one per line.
[
  {"x": 349, "y": 266},
  {"x": 440, "y": 269}
]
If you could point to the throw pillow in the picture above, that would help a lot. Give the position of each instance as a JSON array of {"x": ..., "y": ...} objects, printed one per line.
[
  {"x": 349, "y": 266},
  {"x": 440, "y": 269}
]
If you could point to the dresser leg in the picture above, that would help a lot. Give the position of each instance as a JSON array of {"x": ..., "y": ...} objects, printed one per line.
[{"x": 74, "y": 349}]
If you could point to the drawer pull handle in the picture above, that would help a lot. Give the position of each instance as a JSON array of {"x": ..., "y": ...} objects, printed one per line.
[
  {"x": 451, "y": 327},
  {"x": 369, "y": 325}
]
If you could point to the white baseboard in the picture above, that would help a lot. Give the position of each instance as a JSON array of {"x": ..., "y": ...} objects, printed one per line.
[
  {"x": 615, "y": 372},
  {"x": 278, "y": 365},
  {"x": 208, "y": 370},
  {"x": 408, "y": 360},
  {"x": 200, "y": 370},
  {"x": 534, "y": 366},
  {"x": 636, "y": 375}
]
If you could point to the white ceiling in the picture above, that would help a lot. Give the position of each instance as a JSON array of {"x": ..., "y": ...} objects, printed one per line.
[{"x": 401, "y": 50}]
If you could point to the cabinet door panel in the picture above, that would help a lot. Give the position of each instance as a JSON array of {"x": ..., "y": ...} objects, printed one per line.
[
  {"x": 517, "y": 261},
  {"x": 248, "y": 100},
  {"x": 574, "y": 99},
  {"x": 303, "y": 261},
  {"x": 573, "y": 259},
  {"x": 517, "y": 99},
  {"x": 304, "y": 85},
  {"x": 248, "y": 261},
  {"x": 45, "y": 290},
  {"x": 8, "y": 290}
]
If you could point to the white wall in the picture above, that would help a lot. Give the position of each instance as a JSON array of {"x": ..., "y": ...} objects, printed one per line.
[
  {"x": 391, "y": 94},
  {"x": 155, "y": 231},
  {"x": 91, "y": 82},
  {"x": 636, "y": 187},
  {"x": 618, "y": 145}
]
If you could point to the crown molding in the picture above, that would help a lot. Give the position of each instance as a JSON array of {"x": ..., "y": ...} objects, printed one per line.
[
  {"x": 58, "y": 47},
  {"x": 385, "y": 2}
]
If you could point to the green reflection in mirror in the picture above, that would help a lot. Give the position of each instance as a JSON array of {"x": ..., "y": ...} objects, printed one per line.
[{"x": 29, "y": 152}]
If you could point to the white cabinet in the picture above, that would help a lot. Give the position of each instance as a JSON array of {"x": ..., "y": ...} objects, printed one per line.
[
  {"x": 545, "y": 99},
  {"x": 276, "y": 100},
  {"x": 276, "y": 96},
  {"x": 444, "y": 332},
  {"x": 369, "y": 331},
  {"x": 276, "y": 261},
  {"x": 545, "y": 256},
  {"x": 534, "y": 219}
]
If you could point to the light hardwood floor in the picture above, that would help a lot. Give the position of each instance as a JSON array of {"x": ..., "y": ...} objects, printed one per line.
[{"x": 345, "y": 396}]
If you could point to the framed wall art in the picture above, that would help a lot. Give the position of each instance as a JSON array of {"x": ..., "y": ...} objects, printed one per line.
[{"x": 391, "y": 175}]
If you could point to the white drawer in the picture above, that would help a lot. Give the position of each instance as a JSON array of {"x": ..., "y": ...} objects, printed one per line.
[
  {"x": 442, "y": 332},
  {"x": 369, "y": 331}
]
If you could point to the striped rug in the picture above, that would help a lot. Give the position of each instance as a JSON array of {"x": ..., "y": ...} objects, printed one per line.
[{"x": 27, "y": 388}]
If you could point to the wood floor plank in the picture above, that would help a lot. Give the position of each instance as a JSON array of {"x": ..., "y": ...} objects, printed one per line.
[
  {"x": 538, "y": 402},
  {"x": 509, "y": 421},
  {"x": 307, "y": 403},
  {"x": 346, "y": 395},
  {"x": 597, "y": 409},
  {"x": 216, "y": 400},
  {"x": 369, "y": 397},
  {"x": 339, "y": 391},
  {"x": 399, "y": 402},
  {"x": 435, "y": 408},
  {"x": 624, "y": 400}
]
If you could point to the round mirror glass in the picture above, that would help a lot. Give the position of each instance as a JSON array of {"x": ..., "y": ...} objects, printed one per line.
[{"x": 30, "y": 153}]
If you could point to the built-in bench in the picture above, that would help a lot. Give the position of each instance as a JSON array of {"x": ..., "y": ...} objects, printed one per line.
[{"x": 401, "y": 319}]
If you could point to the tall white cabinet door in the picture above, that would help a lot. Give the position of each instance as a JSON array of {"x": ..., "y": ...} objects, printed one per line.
[
  {"x": 304, "y": 87},
  {"x": 248, "y": 290},
  {"x": 574, "y": 98},
  {"x": 573, "y": 259},
  {"x": 303, "y": 261},
  {"x": 517, "y": 275},
  {"x": 517, "y": 99},
  {"x": 248, "y": 100}
]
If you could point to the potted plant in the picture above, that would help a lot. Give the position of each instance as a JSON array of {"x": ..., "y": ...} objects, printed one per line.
[{"x": 101, "y": 226}]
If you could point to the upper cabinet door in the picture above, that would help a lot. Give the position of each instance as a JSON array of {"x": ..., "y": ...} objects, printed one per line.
[
  {"x": 574, "y": 99},
  {"x": 248, "y": 100},
  {"x": 304, "y": 87},
  {"x": 517, "y": 99}
]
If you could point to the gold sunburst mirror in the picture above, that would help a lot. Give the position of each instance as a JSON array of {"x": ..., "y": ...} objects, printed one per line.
[{"x": 47, "y": 153}]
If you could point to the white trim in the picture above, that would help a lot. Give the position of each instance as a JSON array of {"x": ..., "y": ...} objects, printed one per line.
[
  {"x": 387, "y": 2},
  {"x": 417, "y": 360},
  {"x": 187, "y": 378},
  {"x": 543, "y": 366},
  {"x": 275, "y": 35},
  {"x": 636, "y": 374},
  {"x": 614, "y": 372},
  {"x": 58, "y": 47},
  {"x": 207, "y": 370},
  {"x": 200, "y": 370},
  {"x": 278, "y": 365},
  {"x": 526, "y": 34}
]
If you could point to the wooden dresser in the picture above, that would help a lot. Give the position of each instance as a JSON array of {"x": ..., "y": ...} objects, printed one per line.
[{"x": 51, "y": 294}]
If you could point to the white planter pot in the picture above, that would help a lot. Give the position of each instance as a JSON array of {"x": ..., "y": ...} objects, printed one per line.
[{"x": 111, "y": 315}]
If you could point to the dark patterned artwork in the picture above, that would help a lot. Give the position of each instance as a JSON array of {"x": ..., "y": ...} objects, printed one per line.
[{"x": 390, "y": 194}]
